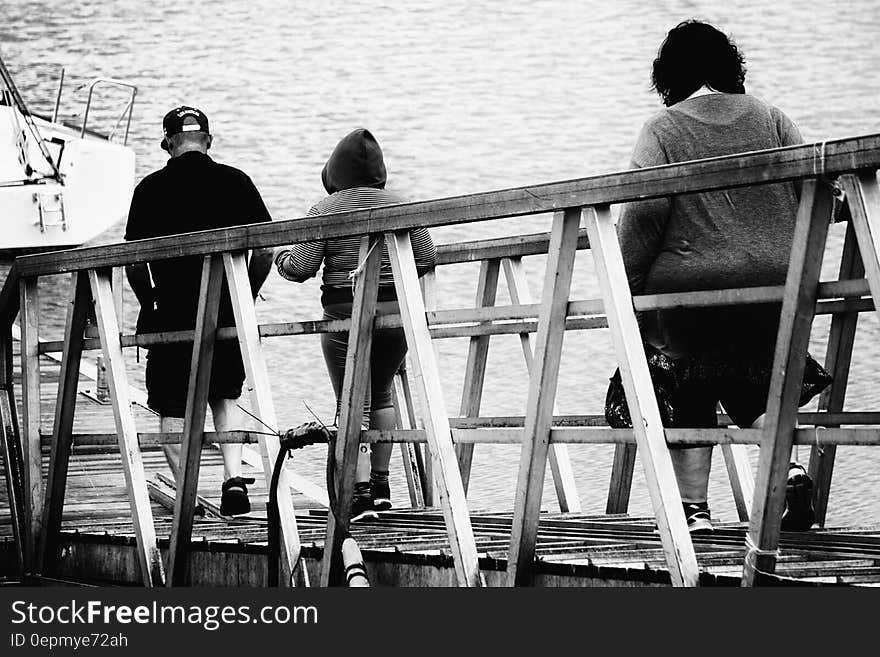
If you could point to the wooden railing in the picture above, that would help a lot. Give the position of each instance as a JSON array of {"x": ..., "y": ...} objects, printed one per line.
[{"x": 578, "y": 202}]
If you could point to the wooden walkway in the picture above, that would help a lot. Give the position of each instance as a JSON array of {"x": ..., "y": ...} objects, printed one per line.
[
  {"x": 96, "y": 492},
  {"x": 471, "y": 551},
  {"x": 403, "y": 547}
]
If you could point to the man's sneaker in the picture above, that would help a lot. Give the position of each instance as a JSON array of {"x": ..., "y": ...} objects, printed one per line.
[
  {"x": 381, "y": 494},
  {"x": 234, "y": 498},
  {"x": 699, "y": 519},
  {"x": 799, "y": 514},
  {"x": 362, "y": 507}
]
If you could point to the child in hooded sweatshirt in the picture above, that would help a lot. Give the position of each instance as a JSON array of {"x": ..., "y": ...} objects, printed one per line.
[{"x": 354, "y": 176}]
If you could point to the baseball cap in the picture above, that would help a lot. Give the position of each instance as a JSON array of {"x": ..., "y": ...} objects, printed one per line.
[{"x": 183, "y": 119}]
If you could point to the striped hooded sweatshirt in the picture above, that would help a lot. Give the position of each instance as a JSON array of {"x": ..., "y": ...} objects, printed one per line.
[{"x": 354, "y": 178}]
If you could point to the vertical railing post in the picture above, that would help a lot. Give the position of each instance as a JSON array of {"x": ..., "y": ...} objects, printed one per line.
[
  {"x": 542, "y": 395},
  {"x": 796, "y": 319},
  {"x": 642, "y": 402},
  {"x": 29, "y": 314}
]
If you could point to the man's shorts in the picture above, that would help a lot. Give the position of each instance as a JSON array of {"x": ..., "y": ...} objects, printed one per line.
[{"x": 168, "y": 369}]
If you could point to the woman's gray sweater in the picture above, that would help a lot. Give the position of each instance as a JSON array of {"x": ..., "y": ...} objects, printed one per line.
[{"x": 713, "y": 240}]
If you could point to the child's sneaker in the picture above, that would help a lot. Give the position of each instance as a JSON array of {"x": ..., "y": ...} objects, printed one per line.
[
  {"x": 361, "y": 503},
  {"x": 799, "y": 514},
  {"x": 698, "y": 516},
  {"x": 381, "y": 494}
]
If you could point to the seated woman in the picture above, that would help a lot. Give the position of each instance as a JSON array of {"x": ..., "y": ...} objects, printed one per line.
[
  {"x": 724, "y": 239},
  {"x": 354, "y": 176}
]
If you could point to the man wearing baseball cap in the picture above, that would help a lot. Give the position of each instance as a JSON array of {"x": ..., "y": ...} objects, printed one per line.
[{"x": 192, "y": 192}]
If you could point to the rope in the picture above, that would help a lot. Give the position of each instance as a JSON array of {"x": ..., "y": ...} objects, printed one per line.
[
  {"x": 356, "y": 273},
  {"x": 820, "y": 174},
  {"x": 753, "y": 551},
  {"x": 819, "y": 150},
  {"x": 819, "y": 449},
  {"x": 275, "y": 432}
]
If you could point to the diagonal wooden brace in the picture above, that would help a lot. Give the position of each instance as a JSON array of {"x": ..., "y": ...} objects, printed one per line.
[
  {"x": 798, "y": 308},
  {"x": 639, "y": 389},
  {"x": 475, "y": 369},
  {"x": 194, "y": 418},
  {"x": 354, "y": 389},
  {"x": 62, "y": 429},
  {"x": 260, "y": 390},
  {"x": 149, "y": 557},
  {"x": 560, "y": 464},
  {"x": 447, "y": 477},
  {"x": 838, "y": 357},
  {"x": 542, "y": 395}
]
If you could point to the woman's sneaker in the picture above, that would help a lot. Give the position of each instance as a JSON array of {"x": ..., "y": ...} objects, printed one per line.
[
  {"x": 361, "y": 503},
  {"x": 698, "y": 516},
  {"x": 234, "y": 498},
  {"x": 381, "y": 494},
  {"x": 799, "y": 514}
]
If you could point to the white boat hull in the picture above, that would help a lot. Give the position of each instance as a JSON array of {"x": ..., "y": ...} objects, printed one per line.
[{"x": 98, "y": 180}]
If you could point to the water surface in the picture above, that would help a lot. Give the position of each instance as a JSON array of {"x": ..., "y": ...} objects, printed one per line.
[{"x": 464, "y": 96}]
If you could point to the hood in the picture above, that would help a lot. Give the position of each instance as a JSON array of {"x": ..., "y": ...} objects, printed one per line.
[{"x": 355, "y": 162}]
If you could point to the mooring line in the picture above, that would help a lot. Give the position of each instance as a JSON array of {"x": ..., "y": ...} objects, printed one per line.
[{"x": 275, "y": 432}]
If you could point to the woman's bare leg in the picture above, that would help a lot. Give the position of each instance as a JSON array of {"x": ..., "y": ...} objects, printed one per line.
[
  {"x": 229, "y": 417},
  {"x": 692, "y": 467},
  {"x": 172, "y": 452}
]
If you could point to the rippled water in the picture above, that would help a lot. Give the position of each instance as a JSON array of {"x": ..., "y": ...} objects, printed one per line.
[{"x": 464, "y": 96}]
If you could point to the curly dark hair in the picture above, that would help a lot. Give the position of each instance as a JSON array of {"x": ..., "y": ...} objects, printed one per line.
[{"x": 696, "y": 54}]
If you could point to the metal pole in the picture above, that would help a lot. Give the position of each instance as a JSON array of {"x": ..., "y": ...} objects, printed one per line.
[{"x": 58, "y": 97}]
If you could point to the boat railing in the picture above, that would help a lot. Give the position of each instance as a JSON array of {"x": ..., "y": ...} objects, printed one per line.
[
  {"x": 582, "y": 219},
  {"x": 126, "y": 111}
]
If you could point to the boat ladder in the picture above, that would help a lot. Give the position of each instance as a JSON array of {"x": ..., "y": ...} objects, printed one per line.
[{"x": 51, "y": 208}]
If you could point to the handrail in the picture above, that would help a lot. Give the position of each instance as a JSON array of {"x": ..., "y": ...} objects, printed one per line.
[
  {"x": 829, "y": 158},
  {"x": 129, "y": 107}
]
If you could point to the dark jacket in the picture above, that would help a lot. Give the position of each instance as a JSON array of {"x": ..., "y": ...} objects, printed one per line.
[
  {"x": 354, "y": 176},
  {"x": 191, "y": 193},
  {"x": 356, "y": 161}
]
